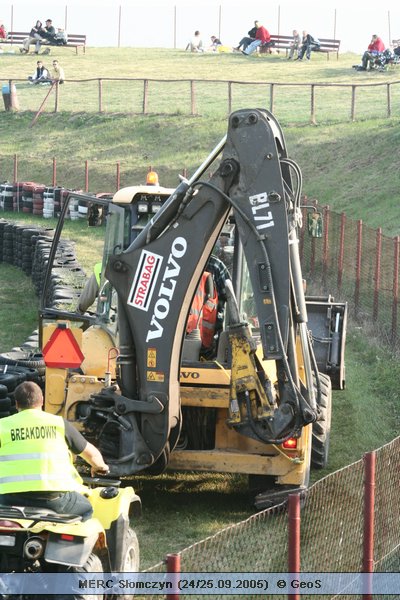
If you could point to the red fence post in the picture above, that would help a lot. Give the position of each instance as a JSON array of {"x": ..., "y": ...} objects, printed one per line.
[
  {"x": 294, "y": 538},
  {"x": 326, "y": 245},
  {"x": 54, "y": 171},
  {"x": 15, "y": 168},
  {"x": 396, "y": 261},
  {"x": 86, "y": 175},
  {"x": 118, "y": 177},
  {"x": 341, "y": 251},
  {"x": 369, "y": 521},
  {"x": 173, "y": 566},
  {"x": 358, "y": 266},
  {"x": 377, "y": 278}
]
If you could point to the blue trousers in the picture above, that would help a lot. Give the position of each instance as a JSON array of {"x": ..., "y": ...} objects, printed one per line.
[{"x": 69, "y": 503}]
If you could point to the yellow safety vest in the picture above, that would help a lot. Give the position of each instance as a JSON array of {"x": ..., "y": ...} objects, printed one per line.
[
  {"x": 34, "y": 455},
  {"x": 97, "y": 272}
]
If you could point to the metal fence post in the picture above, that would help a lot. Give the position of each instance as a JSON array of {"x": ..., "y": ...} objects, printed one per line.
[
  {"x": 118, "y": 176},
  {"x": 341, "y": 251},
  {"x": 369, "y": 521},
  {"x": 229, "y": 97},
  {"x": 353, "y": 102},
  {"x": 100, "y": 96},
  {"x": 192, "y": 97},
  {"x": 294, "y": 537},
  {"x": 86, "y": 175},
  {"x": 389, "y": 99},
  {"x": 396, "y": 261},
  {"x": 377, "y": 278},
  {"x": 173, "y": 566},
  {"x": 15, "y": 167},
  {"x": 358, "y": 266},
  {"x": 54, "y": 171},
  {"x": 145, "y": 95},
  {"x": 326, "y": 245},
  {"x": 271, "y": 97},
  {"x": 313, "y": 122}
]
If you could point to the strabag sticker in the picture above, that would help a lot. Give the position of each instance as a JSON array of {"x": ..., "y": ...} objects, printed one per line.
[{"x": 145, "y": 280}]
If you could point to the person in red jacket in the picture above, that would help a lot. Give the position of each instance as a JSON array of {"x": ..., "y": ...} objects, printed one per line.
[
  {"x": 263, "y": 38},
  {"x": 375, "y": 48}
]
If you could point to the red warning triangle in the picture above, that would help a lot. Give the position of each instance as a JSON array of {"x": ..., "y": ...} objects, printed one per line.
[{"x": 62, "y": 350}]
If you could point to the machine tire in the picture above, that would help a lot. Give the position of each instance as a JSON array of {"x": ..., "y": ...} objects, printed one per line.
[
  {"x": 131, "y": 558},
  {"x": 131, "y": 552},
  {"x": 322, "y": 428},
  {"x": 92, "y": 565}
]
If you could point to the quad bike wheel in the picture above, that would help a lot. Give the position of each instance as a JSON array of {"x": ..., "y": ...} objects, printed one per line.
[
  {"x": 131, "y": 559},
  {"x": 92, "y": 565}
]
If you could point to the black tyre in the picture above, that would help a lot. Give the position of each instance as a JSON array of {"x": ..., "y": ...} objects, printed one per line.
[
  {"x": 92, "y": 565},
  {"x": 322, "y": 428},
  {"x": 5, "y": 404},
  {"x": 131, "y": 558},
  {"x": 10, "y": 380}
]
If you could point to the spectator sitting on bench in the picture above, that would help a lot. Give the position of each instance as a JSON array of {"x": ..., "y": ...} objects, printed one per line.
[
  {"x": 3, "y": 32},
  {"x": 263, "y": 38},
  {"x": 308, "y": 43},
  {"x": 246, "y": 41},
  {"x": 40, "y": 75},
  {"x": 36, "y": 35},
  {"x": 294, "y": 44}
]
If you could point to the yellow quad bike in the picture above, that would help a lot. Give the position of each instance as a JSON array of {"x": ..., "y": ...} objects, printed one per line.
[{"x": 38, "y": 540}]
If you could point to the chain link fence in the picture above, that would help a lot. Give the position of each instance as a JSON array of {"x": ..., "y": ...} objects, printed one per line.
[
  {"x": 359, "y": 265},
  {"x": 333, "y": 525}
]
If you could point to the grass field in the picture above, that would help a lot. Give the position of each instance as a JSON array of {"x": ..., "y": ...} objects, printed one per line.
[{"x": 351, "y": 166}]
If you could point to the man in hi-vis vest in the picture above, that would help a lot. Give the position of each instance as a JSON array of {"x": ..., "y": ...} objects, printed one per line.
[{"x": 36, "y": 466}]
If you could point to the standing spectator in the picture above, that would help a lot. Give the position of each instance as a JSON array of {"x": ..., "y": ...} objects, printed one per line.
[
  {"x": 3, "y": 32},
  {"x": 294, "y": 44},
  {"x": 35, "y": 35},
  {"x": 196, "y": 43},
  {"x": 375, "y": 48},
  {"x": 308, "y": 43},
  {"x": 41, "y": 74},
  {"x": 246, "y": 41},
  {"x": 263, "y": 38}
]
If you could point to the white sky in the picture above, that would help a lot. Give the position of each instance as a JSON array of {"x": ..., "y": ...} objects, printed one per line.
[{"x": 161, "y": 24}]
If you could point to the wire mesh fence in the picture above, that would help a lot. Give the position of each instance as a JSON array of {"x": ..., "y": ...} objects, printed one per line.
[
  {"x": 333, "y": 525},
  {"x": 359, "y": 265}
]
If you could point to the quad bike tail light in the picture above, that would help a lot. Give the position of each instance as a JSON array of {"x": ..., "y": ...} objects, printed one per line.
[{"x": 5, "y": 524}]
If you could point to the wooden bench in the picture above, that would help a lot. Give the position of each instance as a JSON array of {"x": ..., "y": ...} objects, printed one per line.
[
  {"x": 74, "y": 40},
  {"x": 282, "y": 42}
]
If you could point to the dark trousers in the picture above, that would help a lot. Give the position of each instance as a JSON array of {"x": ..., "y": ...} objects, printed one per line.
[
  {"x": 69, "y": 503},
  {"x": 306, "y": 50}
]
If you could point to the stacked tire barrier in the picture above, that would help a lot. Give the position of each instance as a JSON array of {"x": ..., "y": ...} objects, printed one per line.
[
  {"x": 28, "y": 248},
  {"x": 6, "y": 196},
  {"x": 38, "y": 199}
]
